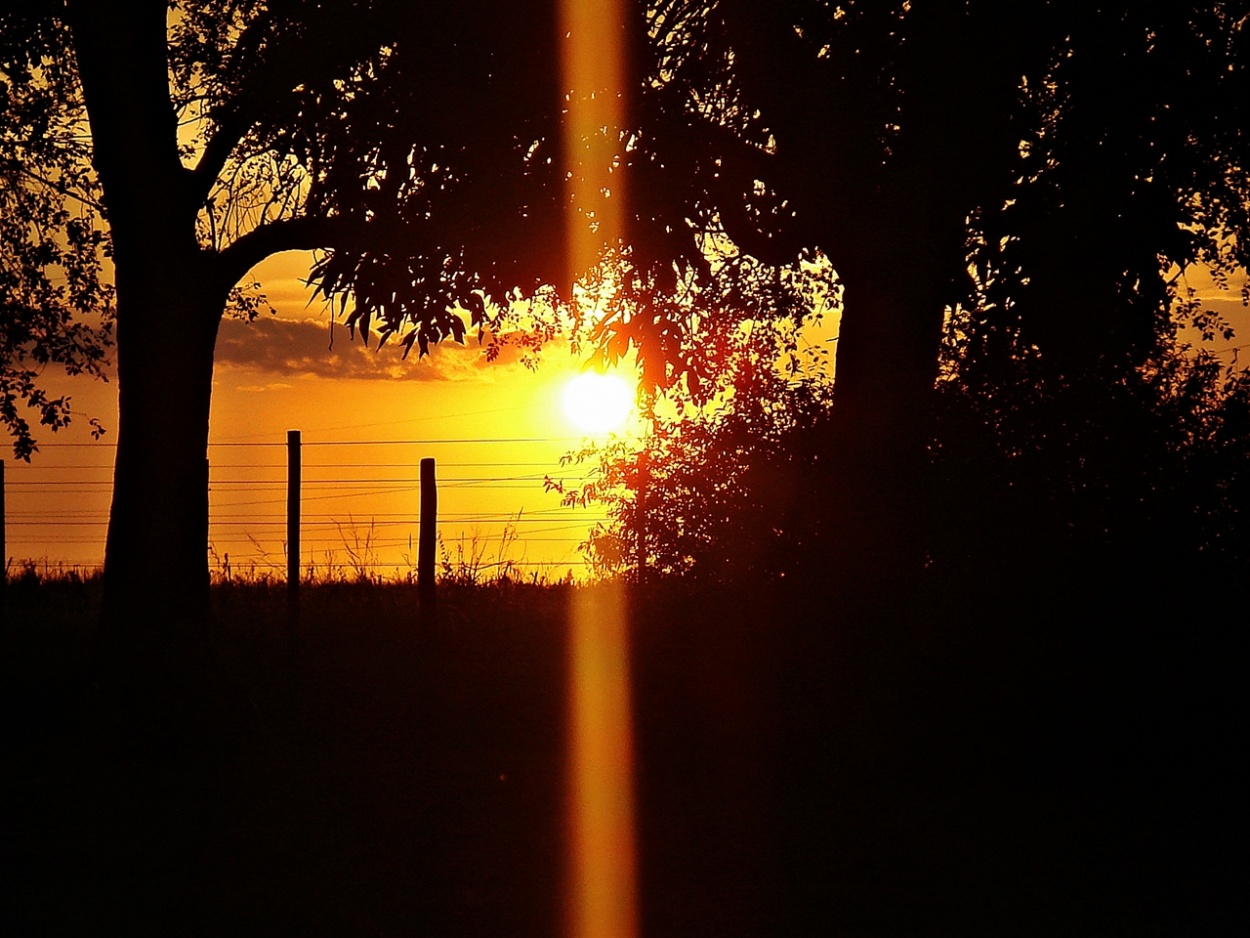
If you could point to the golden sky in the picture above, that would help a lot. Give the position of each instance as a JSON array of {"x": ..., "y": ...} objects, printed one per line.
[{"x": 367, "y": 418}]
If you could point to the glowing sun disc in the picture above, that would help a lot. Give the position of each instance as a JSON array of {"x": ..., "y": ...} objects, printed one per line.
[{"x": 597, "y": 403}]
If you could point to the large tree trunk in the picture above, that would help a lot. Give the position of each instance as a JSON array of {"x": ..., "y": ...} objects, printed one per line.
[
  {"x": 153, "y": 639},
  {"x": 156, "y": 565},
  {"x": 170, "y": 297},
  {"x": 887, "y": 361}
]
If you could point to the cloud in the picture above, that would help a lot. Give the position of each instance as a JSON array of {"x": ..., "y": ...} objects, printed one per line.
[
  {"x": 300, "y": 347},
  {"x": 262, "y": 388}
]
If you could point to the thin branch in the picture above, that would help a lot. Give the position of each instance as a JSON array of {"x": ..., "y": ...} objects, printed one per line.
[{"x": 63, "y": 189}]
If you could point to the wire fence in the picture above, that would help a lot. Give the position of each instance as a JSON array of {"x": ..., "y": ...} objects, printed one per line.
[{"x": 360, "y": 508}]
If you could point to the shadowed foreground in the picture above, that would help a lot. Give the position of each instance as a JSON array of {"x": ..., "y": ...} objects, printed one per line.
[{"x": 926, "y": 765}]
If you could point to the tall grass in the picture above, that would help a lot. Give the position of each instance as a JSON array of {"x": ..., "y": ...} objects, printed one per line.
[{"x": 470, "y": 560}]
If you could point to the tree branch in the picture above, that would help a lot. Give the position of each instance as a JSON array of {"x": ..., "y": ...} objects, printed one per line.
[
  {"x": 232, "y": 125},
  {"x": 305, "y": 233},
  {"x": 63, "y": 189}
]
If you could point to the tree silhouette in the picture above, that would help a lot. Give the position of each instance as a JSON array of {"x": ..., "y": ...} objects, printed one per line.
[
  {"x": 1036, "y": 179},
  {"x": 1047, "y": 166},
  {"x": 54, "y": 307},
  {"x": 942, "y": 156},
  {"x": 1135, "y": 479},
  {"x": 199, "y": 138},
  {"x": 418, "y": 149}
]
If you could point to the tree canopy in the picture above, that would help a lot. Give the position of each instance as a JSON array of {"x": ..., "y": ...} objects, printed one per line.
[
  {"x": 1039, "y": 172},
  {"x": 1043, "y": 171},
  {"x": 1012, "y": 194},
  {"x": 415, "y": 148}
]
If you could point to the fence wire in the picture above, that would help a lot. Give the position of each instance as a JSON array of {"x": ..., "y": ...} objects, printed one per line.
[{"x": 358, "y": 517}]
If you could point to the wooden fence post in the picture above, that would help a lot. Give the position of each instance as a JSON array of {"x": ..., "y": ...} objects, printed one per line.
[
  {"x": 427, "y": 532},
  {"x": 4, "y": 550},
  {"x": 292, "y": 520}
]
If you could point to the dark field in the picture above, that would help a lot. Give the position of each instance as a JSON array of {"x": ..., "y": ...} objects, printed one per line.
[{"x": 917, "y": 765}]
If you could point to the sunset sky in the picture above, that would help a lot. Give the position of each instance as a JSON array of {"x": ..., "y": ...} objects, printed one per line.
[
  {"x": 495, "y": 428},
  {"x": 367, "y": 419}
]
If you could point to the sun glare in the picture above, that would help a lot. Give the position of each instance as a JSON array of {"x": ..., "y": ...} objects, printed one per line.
[{"x": 598, "y": 403}]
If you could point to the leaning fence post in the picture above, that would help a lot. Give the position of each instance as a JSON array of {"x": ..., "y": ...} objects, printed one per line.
[
  {"x": 427, "y": 532},
  {"x": 292, "y": 520}
]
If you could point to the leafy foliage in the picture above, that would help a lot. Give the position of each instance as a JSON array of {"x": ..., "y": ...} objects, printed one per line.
[
  {"x": 1121, "y": 477},
  {"x": 56, "y": 306},
  {"x": 1135, "y": 475},
  {"x": 1048, "y": 166},
  {"x": 1048, "y": 187},
  {"x": 720, "y": 485},
  {"x": 1133, "y": 165}
]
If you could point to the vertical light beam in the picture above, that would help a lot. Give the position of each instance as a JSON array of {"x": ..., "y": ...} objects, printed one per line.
[
  {"x": 592, "y": 63},
  {"x": 602, "y": 897},
  {"x": 602, "y": 900}
]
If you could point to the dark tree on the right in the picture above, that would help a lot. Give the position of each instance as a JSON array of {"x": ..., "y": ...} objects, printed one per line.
[{"x": 1042, "y": 173}]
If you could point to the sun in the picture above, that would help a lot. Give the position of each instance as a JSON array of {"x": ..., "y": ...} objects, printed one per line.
[{"x": 598, "y": 403}]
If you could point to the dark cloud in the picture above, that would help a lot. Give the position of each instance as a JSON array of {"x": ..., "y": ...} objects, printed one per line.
[{"x": 293, "y": 347}]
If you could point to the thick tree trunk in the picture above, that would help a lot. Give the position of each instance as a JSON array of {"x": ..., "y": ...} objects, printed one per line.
[
  {"x": 170, "y": 296},
  {"x": 887, "y": 360},
  {"x": 156, "y": 565},
  {"x": 153, "y": 655}
]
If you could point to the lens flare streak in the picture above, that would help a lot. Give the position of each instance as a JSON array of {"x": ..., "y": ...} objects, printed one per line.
[{"x": 602, "y": 900}]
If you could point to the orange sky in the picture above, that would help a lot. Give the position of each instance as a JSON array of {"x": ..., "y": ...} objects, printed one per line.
[{"x": 280, "y": 373}]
